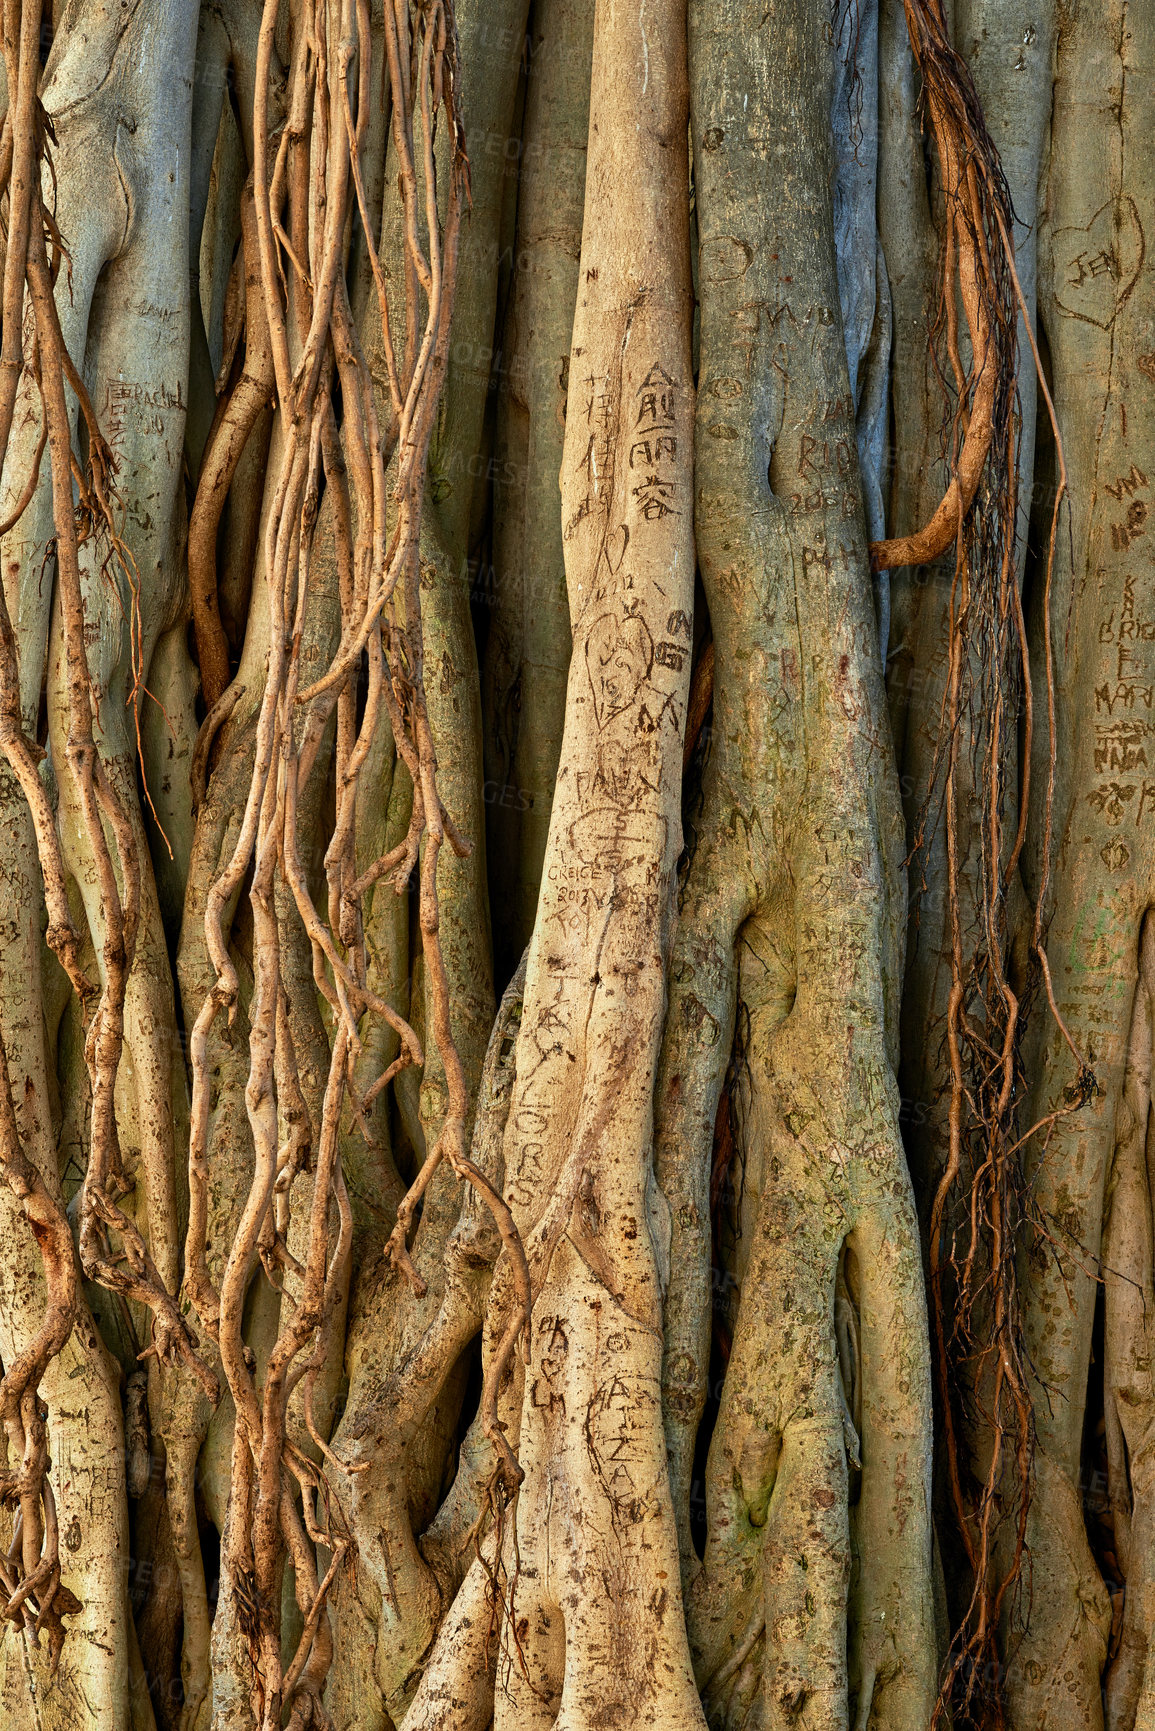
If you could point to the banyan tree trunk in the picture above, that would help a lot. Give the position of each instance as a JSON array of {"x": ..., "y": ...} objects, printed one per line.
[{"x": 577, "y": 995}]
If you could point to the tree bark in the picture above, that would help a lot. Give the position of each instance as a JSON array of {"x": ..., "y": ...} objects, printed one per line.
[{"x": 576, "y": 996}]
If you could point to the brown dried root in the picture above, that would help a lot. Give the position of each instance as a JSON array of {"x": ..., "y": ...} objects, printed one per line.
[
  {"x": 974, "y": 267},
  {"x": 975, "y": 1298},
  {"x": 236, "y": 417}
]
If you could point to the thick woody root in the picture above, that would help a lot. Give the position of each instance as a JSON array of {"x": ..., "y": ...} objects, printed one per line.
[
  {"x": 812, "y": 1603},
  {"x": 976, "y": 268},
  {"x": 813, "y": 1596},
  {"x": 811, "y": 1478},
  {"x": 235, "y": 420},
  {"x": 585, "y": 1638}
]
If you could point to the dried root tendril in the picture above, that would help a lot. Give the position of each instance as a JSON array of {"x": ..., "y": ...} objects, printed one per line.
[{"x": 982, "y": 1203}]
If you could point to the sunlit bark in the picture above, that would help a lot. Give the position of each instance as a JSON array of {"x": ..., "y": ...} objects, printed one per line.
[{"x": 576, "y": 989}]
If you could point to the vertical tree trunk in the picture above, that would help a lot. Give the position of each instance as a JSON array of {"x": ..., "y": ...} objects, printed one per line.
[
  {"x": 594, "y": 1632},
  {"x": 792, "y": 908},
  {"x": 375, "y": 1357}
]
